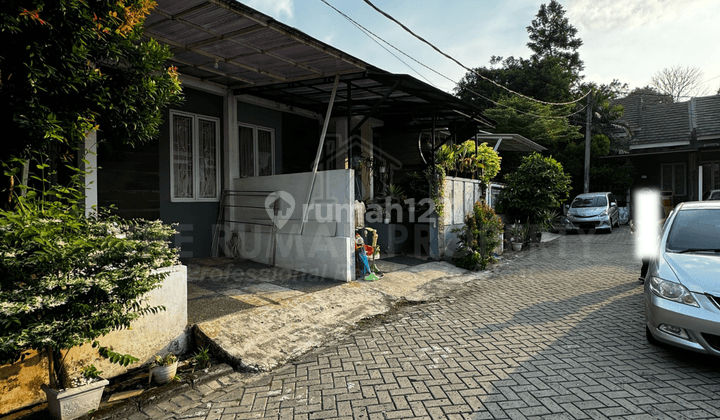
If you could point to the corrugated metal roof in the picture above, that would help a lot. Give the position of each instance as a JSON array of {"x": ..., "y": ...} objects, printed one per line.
[{"x": 230, "y": 44}]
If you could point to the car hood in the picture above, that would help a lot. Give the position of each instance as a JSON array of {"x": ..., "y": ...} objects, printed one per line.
[
  {"x": 698, "y": 272},
  {"x": 586, "y": 211}
]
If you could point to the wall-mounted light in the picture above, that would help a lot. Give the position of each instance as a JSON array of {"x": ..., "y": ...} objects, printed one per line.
[{"x": 216, "y": 63}]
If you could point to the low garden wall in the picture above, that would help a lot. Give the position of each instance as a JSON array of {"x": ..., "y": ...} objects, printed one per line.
[{"x": 162, "y": 332}]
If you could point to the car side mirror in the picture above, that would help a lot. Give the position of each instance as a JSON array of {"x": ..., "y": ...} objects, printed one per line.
[{"x": 613, "y": 204}]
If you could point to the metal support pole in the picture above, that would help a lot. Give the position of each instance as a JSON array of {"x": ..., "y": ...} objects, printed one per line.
[
  {"x": 588, "y": 139},
  {"x": 349, "y": 125},
  {"x": 319, "y": 151}
]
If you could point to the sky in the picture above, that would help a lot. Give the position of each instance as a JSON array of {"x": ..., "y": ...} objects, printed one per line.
[{"x": 627, "y": 40}]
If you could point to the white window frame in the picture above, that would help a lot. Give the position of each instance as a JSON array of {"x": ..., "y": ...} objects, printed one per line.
[
  {"x": 256, "y": 156},
  {"x": 674, "y": 167},
  {"x": 196, "y": 158}
]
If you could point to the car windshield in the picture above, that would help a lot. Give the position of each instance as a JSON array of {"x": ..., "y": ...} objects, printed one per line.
[
  {"x": 695, "y": 230},
  {"x": 596, "y": 201},
  {"x": 715, "y": 195}
]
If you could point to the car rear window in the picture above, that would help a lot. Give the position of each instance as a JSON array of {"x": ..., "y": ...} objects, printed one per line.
[
  {"x": 597, "y": 201},
  {"x": 694, "y": 229}
]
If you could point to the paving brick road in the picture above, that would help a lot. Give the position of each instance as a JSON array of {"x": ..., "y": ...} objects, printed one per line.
[{"x": 557, "y": 333}]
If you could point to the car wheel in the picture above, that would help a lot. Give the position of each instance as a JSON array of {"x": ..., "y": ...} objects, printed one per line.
[
  {"x": 609, "y": 231},
  {"x": 650, "y": 338}
]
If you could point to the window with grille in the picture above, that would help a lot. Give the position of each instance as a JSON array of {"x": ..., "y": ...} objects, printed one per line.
[
  {"x": 672, "y": 178},
  {"x": 257, "y": 150},
  {"x": 194, "y": 157}
]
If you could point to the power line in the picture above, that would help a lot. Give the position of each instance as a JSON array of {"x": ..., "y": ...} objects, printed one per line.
[
  {"x": 464, "y": 66},
  {"x": 371, "y": 34}
]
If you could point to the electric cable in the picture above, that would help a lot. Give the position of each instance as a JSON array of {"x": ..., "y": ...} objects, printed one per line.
[
  {"x": 371, "y": 34},
  {"x": 448, "y": 56}
]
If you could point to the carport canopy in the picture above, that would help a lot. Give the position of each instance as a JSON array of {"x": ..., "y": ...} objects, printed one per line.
[
  {"x": 509, "y": 143},
  {"x": 230, "y": 45}
]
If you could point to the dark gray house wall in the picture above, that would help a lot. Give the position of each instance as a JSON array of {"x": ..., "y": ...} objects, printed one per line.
[{"x": 196, "y": 219}]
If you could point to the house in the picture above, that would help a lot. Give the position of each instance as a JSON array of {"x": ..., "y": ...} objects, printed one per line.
[
  {"x": 268, "y": 154},
  {"x": 675, "y": 146}
]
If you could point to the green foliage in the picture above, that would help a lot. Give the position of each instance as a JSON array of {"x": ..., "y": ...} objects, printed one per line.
[
  {"x": 463, "y": 159},
  {"x": 91, "y": 372},
  {"x": 539, "y": 184},
  {"x": 166, "y": 360},
  {"x": 545, "y": 79},
  {"x": 519, "y": 233},
  {"x": 66, "y": 279},
  {"x": 519, "y": 115},
  {"x": 71, "y": 66},
  {"x": 201, "y": 358},
  {"x": 118, "y": 358},
  {"x": 552, "y": 36},
  {"x": 478, "y": 238}
]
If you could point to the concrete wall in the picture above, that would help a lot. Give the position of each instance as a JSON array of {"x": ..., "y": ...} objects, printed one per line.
[
  {"x": 324, "y": 248},
  {"x": 154, "y": 333},
  {"x": 459, "y": 196}
]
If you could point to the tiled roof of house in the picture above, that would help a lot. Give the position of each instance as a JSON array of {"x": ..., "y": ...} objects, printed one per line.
[
  {"x": 635, "y": 104},
  {"x": 657, "y": 121},
  {"x": 706, "y": 113},
  {"x": 665, "y": 123}
]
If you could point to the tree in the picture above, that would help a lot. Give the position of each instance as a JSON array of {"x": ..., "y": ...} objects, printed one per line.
[
  {"x": 680, "y": 82},
  {"x": 551, "y": 74},
  {"x": 552, "y": 35},
  {"x": 538, "y": 185},
  {"x": 543, "y": 124},
  {"x": 546, "y": 80},
  {"x": 68, "y": 67}
]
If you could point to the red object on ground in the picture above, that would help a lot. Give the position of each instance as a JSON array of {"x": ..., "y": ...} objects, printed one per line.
[{"x": 369, "y": 250}]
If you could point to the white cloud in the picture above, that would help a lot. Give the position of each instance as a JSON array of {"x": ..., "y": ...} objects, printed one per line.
[
  {"x": 274, "y": 8},
  {"x": 606, "y": 15}
]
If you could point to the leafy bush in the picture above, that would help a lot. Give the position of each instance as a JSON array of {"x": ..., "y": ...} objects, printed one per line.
[
  {"x": 539, "y": 184},
  {"x": 478, "y": 238},
  {"x": 67, "y": 279}
]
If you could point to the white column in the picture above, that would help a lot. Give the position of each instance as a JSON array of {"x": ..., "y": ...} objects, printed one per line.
[
  {"x": 231, "y": 155},
  {"x": 700, "y": 180},
  {"x": 91, "y": 181}
]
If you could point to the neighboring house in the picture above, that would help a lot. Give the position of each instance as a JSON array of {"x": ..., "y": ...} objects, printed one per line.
[
  {"x": 259, "y": 96},
  {"x": 675, "y": 146}
]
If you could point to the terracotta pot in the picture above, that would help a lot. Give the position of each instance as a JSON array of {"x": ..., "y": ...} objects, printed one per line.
[
  {"x": 72, "y": 403},
  {"x": 163, "y": 374}
]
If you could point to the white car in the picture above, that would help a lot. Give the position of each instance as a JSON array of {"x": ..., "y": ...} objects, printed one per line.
[
  {"x": 712, "y": 195},
  {"x": 682, "y": 291},
  {"x": 593, "y": 211}
]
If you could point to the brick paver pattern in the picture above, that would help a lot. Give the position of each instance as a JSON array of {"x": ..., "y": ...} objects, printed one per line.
[{"x": 556, "y": 334}]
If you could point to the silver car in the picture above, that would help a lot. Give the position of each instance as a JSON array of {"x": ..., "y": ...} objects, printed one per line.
[
  {"x": 593, "y": 211},
  {"x": 682, "y": 288}
]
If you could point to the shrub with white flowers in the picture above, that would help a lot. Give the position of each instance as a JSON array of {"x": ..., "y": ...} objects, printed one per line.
[{"x": 67, "y": 279}]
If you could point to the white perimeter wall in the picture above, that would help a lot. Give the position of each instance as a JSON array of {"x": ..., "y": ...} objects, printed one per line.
[
  {"x": 326, "y": 246},
  {"x": 459, "y": 197}
]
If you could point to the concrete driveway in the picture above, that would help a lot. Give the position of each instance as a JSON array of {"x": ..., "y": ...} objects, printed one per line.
[{"x": 556, "y": 333}]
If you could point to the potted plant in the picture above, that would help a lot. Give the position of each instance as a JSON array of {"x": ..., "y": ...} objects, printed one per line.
[
  {"x": 163, "y": 368},
  {"x": 67, "y": 279},
  {"x": 84, "y": 395}
]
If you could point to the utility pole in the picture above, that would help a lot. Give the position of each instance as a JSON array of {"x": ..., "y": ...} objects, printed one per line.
[{"x": 588, "y": 137}]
